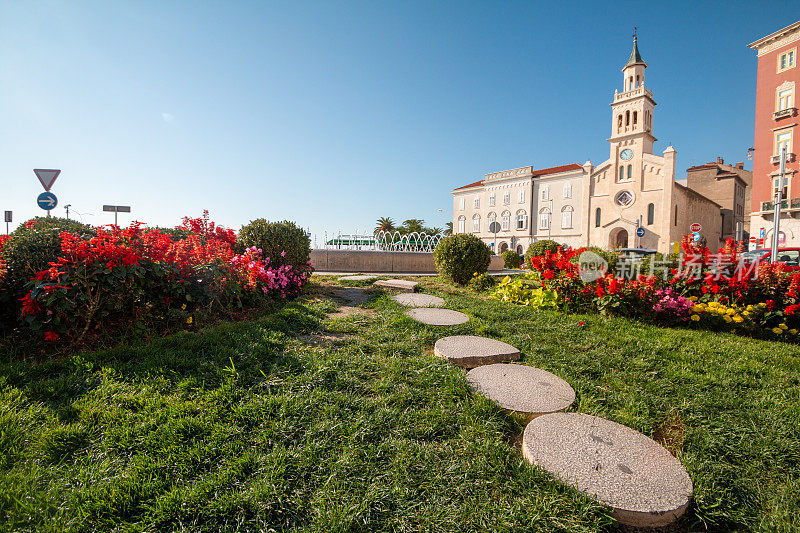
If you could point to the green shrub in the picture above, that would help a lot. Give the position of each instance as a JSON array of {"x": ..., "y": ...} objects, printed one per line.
[
  {"x": 33, "y": 246},
  {"x": 275, "y": 238},
  {"x": 539, "y": 248},
  {"x": 459, "y": 257},
  {"x": 481, "y": 282},
  {"x": 610, "y": 257},
  {"x": 511, "y": 259}
]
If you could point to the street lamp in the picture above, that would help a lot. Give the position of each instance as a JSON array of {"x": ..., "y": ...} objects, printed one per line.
[{"x": 778, "y": 200}]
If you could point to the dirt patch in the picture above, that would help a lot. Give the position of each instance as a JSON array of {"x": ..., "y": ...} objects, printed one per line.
[
  {"x": 671, "y": 433},
  {"x": 347, "y": 310},
  {"x": 317, "y": 339}
]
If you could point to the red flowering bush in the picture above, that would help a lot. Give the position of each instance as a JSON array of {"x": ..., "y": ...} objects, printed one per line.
[{"x": 137, "y": 275}]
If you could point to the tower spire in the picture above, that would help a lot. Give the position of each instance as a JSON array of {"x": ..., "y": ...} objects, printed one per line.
[{"x": 636, "y": 57}]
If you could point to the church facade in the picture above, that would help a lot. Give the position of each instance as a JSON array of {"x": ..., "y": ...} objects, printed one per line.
[{"x": 631, "y": 199}]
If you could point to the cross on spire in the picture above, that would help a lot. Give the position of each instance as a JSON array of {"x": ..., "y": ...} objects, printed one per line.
[{"x": 634, "y": 31}]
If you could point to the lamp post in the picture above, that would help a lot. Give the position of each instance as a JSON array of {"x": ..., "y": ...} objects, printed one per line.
[{"x": 778, "y": 200}]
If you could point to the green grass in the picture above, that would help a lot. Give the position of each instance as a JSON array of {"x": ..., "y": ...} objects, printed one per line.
[{"x": 245, "y": 426}]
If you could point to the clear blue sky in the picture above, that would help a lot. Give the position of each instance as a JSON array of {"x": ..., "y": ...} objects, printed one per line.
[{"x": 332, "y": 114}]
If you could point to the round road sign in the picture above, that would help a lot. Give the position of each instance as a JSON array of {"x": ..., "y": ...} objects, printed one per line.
[
  {"x": 640, "y": 232},
  {"x": 47, "y": 201},
  {"x": 695, "y": 227},
  {"x": 494, "y": 227}
]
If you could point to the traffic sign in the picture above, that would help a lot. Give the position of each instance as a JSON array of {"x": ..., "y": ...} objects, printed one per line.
[
  {"x": 696, "y": 236},
  {"x": 9, "y": 216},
  {"x": 695, "y": 227},
  {"x": 494, "y": 227},
  {"x": 762, "y": 233},
  {"x": 47, "y": 201},
  {"x": 47, "y": 177},
  {"x": 640, "y": 232}
]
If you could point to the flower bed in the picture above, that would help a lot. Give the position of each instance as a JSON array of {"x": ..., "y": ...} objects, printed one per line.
[
  {"x": 140, "y": 277},
  {"x": 700, "y": 289}
]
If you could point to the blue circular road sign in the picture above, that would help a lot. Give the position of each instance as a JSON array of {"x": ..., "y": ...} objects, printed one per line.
[
  {"x": 640, "y": 232},
  {"x": 47, "y": 201}
]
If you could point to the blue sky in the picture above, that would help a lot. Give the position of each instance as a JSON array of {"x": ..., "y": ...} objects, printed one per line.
[{"x": 332, "y": 114}]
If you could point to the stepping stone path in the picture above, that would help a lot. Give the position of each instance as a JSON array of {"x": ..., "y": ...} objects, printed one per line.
[
  {"x": 437, "y": 317},
  {"x": 402, "y": 284},
  {"x": 415, "y": 299},
  {"x": 521, "y": 388},
  {"x": 356, "y": 278},
  {"x": 637, "y": 477},
  {"x": 468, "y": 351}
]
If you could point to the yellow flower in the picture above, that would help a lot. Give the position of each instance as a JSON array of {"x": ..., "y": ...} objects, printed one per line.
[
  {"x": 783, "y": 326},
  {"x": 793, "y": 331},
  {"x": 727, "y": 318},
  {"x": 189, "y": 320},
  {"x": 692, "y": 298},
  {"x": 777, "y": 331},
  {"x": 731, "y": 311},
  {"x": 183, "y": 306},
  {"x": 695, "y": 317},
  {"x": 738, "y": 319}
]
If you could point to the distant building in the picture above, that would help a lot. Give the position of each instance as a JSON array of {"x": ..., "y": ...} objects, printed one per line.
[
  {"x": 728, "y": 185},
  {"x": 776, "y": 125},
  {"x": 633, "y": 191}
]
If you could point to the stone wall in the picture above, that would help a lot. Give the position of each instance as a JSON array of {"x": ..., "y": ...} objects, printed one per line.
[{"x": 372, "y": 261}]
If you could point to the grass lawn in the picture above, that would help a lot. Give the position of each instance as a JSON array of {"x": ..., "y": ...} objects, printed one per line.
[{"x": 257, "y": 426}]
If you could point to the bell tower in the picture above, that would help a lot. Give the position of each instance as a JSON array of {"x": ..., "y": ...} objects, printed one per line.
[{"x": 631, "y": 117}]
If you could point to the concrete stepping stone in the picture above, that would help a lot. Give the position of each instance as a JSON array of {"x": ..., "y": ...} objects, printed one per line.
[
  {"x": 402, "y": 284},
  {"x": 469, "y": 351},
  {"x": 356, "y": 278},
  {"x": 437, "y": 317},
  {"x": 634, "y": 475},
  {"x": 415, "y": 299},
  {"x": 521, "y": 388}
]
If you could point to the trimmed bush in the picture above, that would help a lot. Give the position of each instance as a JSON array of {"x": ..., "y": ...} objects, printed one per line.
[
  {"x": 459, "y": 257},
  {"x": 511, "y": 259},
  {"x": 539, "y": 248},
  {"x": 33, "y": 246},
  {"x": 275, "y": 238}
]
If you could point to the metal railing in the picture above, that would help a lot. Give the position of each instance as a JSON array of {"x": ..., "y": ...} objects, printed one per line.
[{"x": 384, "y": 241}]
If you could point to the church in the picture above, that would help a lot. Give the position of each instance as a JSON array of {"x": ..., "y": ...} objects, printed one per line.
[{"x": 630, "y": 200}]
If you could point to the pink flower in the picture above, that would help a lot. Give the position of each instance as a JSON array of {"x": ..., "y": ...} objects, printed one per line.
[{"x": 283, "y": 253}]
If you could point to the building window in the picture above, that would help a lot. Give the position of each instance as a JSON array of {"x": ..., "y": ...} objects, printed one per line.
[
  {"x": 544, "y": 218},
  {"x": 505, "y": 221},
  {"x": 477, "y": 202},
  {"x": 506, "y": 198},
  {"x": 785, "y": 99},
  {"x": 635, "y": 116},
  {"x": 491, "y": 219},
  {"x": 784, "y": 190},
  {"x": 568, "y": 190},
  {"x": 637, "y": 84},
  {"x": 675, "y": 222},
  {"x": 651, "y": 214},
  {"x": 521, "y": 198},
  {"x": 597, "y": 215},
  {"x": 619, "y": 123},
  {"x": 623, "y": 198},
  {"x": 787, "y": 60},
  {"x": 545, "y": 193},
  {"x": 621, "y": 175},
  {"x": 566, "y": 217},
  {"x": 491, "y": 200},
  {"x": 630, "y": 171},
  {"x": 783, "y": 139},
  {"x": 462, "y": 203},
  {"x": 522, "y": 219},
  {"x": 627, "y": 118},
  {"x": 462, "y": 222},
  {"x": 476, "y": 223}
]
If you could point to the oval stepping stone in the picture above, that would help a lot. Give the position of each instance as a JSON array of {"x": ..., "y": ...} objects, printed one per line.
[
  {"x": 356, "y": 278},
  {"x": 402, "y": 284},
  {"x": 437, "y": 317},
  {"x": 469, "y": 351},
  {"x": 522, "y": 388},
  {"x": 637, "y": 477},
  {"x": 415, "y": 299}
]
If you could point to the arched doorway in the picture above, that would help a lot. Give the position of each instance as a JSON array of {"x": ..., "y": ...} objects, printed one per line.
[
  {"x": 519, "y": 250},
  {"x": 618, "y": 238},
  {"x": 503, "y": 247}
]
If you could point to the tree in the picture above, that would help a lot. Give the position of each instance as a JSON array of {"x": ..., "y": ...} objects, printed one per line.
[
  {"x": 413, "y": 224},
  {"x": 433, "y": 231},
  {"x": 384, "y": 224},
  {"x": 449, "y": 229}
]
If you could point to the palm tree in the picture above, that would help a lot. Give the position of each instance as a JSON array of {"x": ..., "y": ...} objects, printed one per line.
[
  {"x": 384, "y": 224},
  {"x": 449, "y": 229},
  {"x": 413, "y": 224},
  {"x": 433, "y": 231}
]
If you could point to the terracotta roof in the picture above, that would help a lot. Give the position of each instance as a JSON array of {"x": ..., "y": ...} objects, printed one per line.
[
  {"x": 556, "y": 170},
  {"x": 470, "y": 185}
]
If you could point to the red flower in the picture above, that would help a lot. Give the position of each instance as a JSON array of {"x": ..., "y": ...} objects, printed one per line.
[
  {"x": 548, "y": 274},
  {"x": 581, "y": 323},
  {"x": 770, "y": 304},
  {"x": 29, "y": 305},
  {"x": 51, "y": 336},
  {"x": 792, "y": 309}
]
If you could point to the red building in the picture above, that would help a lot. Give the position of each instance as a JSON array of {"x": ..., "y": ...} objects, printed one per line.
[{"x": 777, "y": 124}]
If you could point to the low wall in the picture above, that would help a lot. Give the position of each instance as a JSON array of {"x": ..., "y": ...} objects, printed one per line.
[{"x": 372, "y": 261}]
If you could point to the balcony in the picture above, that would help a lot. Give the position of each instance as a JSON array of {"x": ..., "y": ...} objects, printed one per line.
[
  {"x": 790, "y": 157},
  {"x": 791, "y": 205},
  {"x": 782, "y": 113}
]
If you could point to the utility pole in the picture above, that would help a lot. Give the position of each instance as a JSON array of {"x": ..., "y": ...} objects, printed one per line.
[
  {"x": 67, "y": 208},
  {"x": 778, "y": 200}
]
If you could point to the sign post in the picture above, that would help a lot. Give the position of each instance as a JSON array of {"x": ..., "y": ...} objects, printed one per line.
[
  {"x": 47, "y": 201},
  {"x": 117, "y": 209},
  {"x": 9, "y": 217},
  {"x": 778, "y": 199},
  {"x": 494, "y": 227},
  {"x": 47, "y": 177}
]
